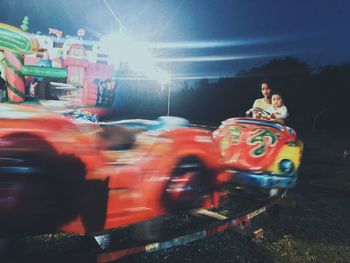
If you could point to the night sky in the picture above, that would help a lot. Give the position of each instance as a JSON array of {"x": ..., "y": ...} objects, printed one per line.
[{"x": 215, "y": 38}]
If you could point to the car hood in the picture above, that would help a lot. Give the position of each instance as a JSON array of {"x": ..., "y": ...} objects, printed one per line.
[{"x": 250, "y": 144}]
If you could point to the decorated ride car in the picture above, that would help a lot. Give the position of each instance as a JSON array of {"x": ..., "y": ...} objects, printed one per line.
[
  {"x": 56, "y": 175},
  {"x": 262, "y": 155}
]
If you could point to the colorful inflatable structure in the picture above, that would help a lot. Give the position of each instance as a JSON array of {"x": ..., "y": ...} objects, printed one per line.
[{"x": 42, "y": 67}]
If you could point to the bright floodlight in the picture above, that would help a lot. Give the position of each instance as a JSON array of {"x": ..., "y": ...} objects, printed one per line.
[{"x": 121, "y": 48}]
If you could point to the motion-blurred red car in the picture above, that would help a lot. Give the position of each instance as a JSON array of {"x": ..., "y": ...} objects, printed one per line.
[{"x": 56, "y": 175}]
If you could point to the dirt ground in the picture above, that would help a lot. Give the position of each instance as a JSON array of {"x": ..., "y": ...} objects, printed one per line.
[{"x": 317, "y": 229}]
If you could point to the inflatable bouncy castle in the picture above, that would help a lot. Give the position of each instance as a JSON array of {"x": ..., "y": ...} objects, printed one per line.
[{"x": 40, "y": 69}]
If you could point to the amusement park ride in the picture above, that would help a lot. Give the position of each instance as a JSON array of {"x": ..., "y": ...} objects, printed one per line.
[{"x": 59, "y": 174}]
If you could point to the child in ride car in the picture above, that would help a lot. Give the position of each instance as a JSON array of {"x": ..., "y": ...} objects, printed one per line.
[{"x": 277, "y": 110}]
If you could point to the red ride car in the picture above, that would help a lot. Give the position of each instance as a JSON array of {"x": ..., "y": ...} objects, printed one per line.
[
  {"x": 263, "y": 156},
  {"x": 56, "y": 175}
]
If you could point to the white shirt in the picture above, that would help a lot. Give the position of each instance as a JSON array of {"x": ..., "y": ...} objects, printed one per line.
[{"x": 280, "y": 113}]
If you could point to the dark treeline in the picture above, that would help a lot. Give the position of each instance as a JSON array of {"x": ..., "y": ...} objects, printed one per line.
[{"x": 315, "y": 98}]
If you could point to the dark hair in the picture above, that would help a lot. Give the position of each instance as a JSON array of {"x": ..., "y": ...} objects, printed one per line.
[
  {"x": 279, "y": 94},
  {"x": 265, "y": 82}
]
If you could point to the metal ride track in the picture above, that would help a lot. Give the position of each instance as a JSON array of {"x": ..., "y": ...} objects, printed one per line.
[
  {"x": 182, "y": 228},
  {"x": 240, "y": 223}
]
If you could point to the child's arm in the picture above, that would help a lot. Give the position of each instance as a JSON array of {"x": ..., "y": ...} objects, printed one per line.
[{"x": 283, "y": 112}]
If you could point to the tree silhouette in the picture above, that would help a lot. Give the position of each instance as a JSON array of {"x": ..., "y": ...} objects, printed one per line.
[{"x": 306, "y": 93}]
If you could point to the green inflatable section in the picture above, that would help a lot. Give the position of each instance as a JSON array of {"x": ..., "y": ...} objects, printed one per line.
[
  {"x": 13, "y": 40},
  {"x": 45, "y": 72}
]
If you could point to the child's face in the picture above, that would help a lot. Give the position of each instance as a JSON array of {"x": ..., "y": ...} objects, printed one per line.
[{"x": 276, "y": 101}]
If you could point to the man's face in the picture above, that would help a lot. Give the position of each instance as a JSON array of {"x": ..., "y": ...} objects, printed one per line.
[{"x": 265, "y": 90}]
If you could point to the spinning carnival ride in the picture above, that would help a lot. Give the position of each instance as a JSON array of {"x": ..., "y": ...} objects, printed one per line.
[{"x": 165, "y": 166}]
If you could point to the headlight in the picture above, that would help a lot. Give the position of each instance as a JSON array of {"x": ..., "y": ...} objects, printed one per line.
[
  {"x": 286, "y": 166},
  {"x": 292, "y": 144}
]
